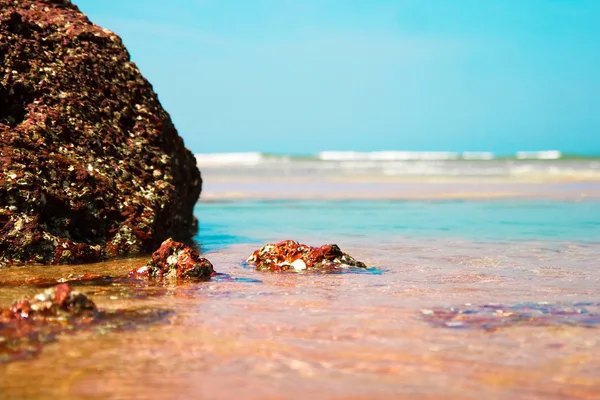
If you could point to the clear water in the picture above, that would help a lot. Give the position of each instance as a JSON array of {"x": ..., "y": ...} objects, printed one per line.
[
  {"x": 258, "y": 335},
  {"x": 224, "y": 223}
]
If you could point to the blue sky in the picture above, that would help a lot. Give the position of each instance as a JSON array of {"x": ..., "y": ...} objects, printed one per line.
[{"x": 301, "y": 76}]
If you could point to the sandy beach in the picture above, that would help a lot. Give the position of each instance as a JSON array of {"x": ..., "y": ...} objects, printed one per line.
[
  {"x": 282, "y": 178},
  {"x": 289, "y": 200},
  {"x": 377, "y": 187},
  {"x": 345, "y": 336},
  {"x": 526, "y": 244}
]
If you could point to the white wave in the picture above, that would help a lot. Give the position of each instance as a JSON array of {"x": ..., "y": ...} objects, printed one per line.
[
  {"x": 478, "y": 155},
  {"x": 386, "y": 155},
  {"x": 250, "y": 158},
  {"x": 518, "y": 170},
  {"x": 539, "y": 155}
]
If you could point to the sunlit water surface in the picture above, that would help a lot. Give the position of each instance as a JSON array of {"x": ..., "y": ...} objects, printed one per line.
[{"x": 344, "y": 336}]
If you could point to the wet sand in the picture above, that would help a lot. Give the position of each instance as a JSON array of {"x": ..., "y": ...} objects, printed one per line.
[
  {"x": 347, "y": 336},
  {"x": 450, "y": 179},
  {"x": 388, "y": 188}
]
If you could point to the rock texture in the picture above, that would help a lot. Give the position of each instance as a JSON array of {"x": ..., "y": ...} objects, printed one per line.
[
  {"x": 289, "y": 255},
  {"x": 91, "y": 165},
  {"x": 59, "y": 302},
  {"x": 175, "y": 260}
]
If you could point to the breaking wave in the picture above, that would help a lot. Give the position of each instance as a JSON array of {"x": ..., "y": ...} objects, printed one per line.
[{"x": 402, "y": 163}]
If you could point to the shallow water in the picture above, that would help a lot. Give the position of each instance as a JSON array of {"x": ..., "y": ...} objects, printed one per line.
[
  {"x": 355, "y": 335},
  {"x": 378, "y": 221}
]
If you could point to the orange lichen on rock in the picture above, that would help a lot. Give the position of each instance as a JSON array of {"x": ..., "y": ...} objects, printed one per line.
[{"x": 290, "y": 255}]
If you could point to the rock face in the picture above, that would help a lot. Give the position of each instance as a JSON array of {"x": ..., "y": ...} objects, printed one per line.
[
  {"x": 289, "y": 255},
  {"x": 91, "y": 165},
  {"x": 175, "y": 260}
]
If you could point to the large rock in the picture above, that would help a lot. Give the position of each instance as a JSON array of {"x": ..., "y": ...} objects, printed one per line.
[{"x": 91, "y": 165}]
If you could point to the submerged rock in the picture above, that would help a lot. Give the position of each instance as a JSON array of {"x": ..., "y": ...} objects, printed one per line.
[
  {"x": 494, "y": 316},
  {"x": 27, "y": 325},
  {"x": 289, "y": 255},
  {"x": 175, "y": 260},
  {"x": 91, "y": 165},
  {"x": 57, "y": 302}
]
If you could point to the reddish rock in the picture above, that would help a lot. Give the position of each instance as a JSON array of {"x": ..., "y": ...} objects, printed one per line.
[
  {"x": 57, "y": 302},
  {"x": 289, "y": 255},
  {"x": 175, "y": 260},
  {"x": 27, "y": 325},
  {"x": 91, "y": 165}
]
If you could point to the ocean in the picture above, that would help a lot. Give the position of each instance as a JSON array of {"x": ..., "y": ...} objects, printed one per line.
[
  {"x": 477, "y": 287},
  {"x": 372, "y": 222},
  {"x": 539, "y": 165}
]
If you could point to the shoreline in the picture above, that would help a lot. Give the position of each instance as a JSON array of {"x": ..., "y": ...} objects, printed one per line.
[{"x": 380, "y": 188}]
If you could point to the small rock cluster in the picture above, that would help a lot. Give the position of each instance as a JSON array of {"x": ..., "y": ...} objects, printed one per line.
[
  {"x": 175, "y": 260},
  {"x": 60, "y": 302},
  {"x": 29, "y": 324},
  {"x": 289, "y": 255}
]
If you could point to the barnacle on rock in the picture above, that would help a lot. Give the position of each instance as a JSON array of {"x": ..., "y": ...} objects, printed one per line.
[
  {"x": 91, "y": 165},
  {"x": 175, "y": 260}
]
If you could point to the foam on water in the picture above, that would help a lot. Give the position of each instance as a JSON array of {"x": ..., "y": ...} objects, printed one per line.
[
  {"x": 250, "y": 158},
  {"x": 542, "y": 164}
]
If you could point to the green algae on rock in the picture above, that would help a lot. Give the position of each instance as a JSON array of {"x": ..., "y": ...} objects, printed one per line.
[
  {"x": 175, "y": 260},
  {"x": 91, "y": 166},
  {"x": 289, "y": 255}
]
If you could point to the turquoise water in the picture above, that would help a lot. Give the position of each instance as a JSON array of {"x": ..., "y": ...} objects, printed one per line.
[
  {"x": 463, "y": 298},
  {"x": 225, "y": 223}
]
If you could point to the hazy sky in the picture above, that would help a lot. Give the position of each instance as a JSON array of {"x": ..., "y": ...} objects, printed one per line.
[{"x": 300, "y": 76}]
